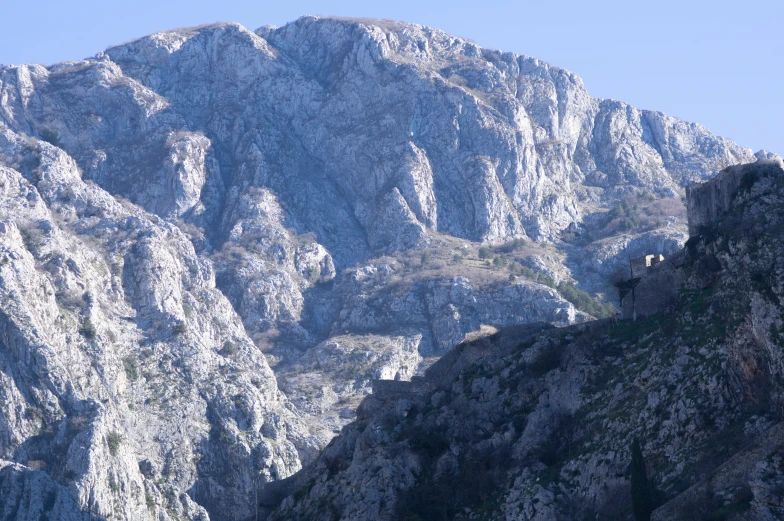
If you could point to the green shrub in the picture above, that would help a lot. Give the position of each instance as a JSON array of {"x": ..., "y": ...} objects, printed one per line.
[
  {"x": 746, "y": 182},
  {"x": 131, "y": 367},
  {"x": 528, "y": 273},
  {"x": 228, "y": 349},
  {"x": 87, "y": 330},
  {"x": 547, "y": 360},
  {"x": 114, "y": 439},
  {"x": 584, "y": 301},
  {"x": 35, "y": 414},
  {"x": 485, "y": 253},
  {"x": 511, "y": 245},
  {"x": 150, "y": 501},
  {"x": 32, "y": 239},
  {"x": 430, "y": 444},
  {"x": 179, "y": 328}
]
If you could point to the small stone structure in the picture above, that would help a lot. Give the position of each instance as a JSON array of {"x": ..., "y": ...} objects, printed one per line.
[
  {"x": 656, "y": 284},
  {"x": 641, "y": 266},
  {"x": 486, "y": 341},
  {"x": 657, "y": 281}
]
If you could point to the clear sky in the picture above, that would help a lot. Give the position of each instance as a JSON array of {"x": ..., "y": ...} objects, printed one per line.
[{"x": 716, "y": 62}]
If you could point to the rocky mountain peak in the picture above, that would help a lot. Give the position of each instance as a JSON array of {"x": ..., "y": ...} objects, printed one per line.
[{"x": 214, "y": 239}]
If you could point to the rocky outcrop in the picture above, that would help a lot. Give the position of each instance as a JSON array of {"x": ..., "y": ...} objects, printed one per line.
[
  {"x": 127, "y": 378},
  {"x": 599, "y": 263},
  {"x": 329, "y": 380},
  {"x": 708, "y": 201},
  {"x": 536, "y": 423},
  {"x": 29, "y": 493},
  {"x": 730, "y": 485},
  {"x": 445, "y": 309}
]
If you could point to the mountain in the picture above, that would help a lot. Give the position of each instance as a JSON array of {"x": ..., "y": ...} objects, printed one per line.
[
  {"x": 213, "y": 239},
  {"x": 538, "y": 423}
]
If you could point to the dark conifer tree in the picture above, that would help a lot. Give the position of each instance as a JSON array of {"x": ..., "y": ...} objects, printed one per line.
[{"x": 642, "y": 499}]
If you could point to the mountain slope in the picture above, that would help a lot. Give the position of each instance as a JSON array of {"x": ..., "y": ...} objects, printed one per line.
[
  {"x": 536, "y": 423},
  {"x": 185, "y": 213}
]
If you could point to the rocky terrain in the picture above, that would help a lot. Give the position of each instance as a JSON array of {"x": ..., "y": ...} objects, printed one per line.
[
  {"x": 537, "y": 423},
  {"x": 213, "y": 239}
]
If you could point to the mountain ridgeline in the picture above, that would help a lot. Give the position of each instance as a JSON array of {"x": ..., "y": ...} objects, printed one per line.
[{"x": 215, "y": 242}]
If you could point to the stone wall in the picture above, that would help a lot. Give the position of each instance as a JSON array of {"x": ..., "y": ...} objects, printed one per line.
[
  {"x": 641, "y": 265},
  {"x": 399, "y": 388},
  {"x": 657, "y": 289}
]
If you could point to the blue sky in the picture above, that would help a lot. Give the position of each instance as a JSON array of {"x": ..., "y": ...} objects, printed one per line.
[{"x": 717, "y": 62}]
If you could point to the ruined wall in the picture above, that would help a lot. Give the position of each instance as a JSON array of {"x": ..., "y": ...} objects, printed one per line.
[
  {"x": 705, "y": 202},
  {"x": 385, "y": 389},
  {"x": 657, "y": 289},
  {"x": 641, "y": 265}
]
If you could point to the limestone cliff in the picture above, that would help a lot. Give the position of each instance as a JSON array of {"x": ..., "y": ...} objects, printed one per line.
[{"x": 184, "y": 214}]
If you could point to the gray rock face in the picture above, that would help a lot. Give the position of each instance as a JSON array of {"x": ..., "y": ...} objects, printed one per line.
[
  {"x": 375, "y": 118},
  {"x": 178, "y": 210},
  {"x": 601, "y": 261},
  {"x": 536, "y": 423},
  {"x": 447, "y": 309},
  {"x": 330, "y": 380},
  {"x": 114, "y": 353}
]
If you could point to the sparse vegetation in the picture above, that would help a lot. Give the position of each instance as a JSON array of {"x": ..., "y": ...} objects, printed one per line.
[
  {"x": 131, "y": 367},
  {"x": 113, "y": 440},
  {"x": 34, "y": 414},
  {"x": 513, "y": 245},
  {"x": 88, "y": 329},
  {"x": 584, "y": 301},
  {"x": 32, "y": 235},
  {"x": 148, "y": 499},
  {"x": 638, "y": 214},
  {"x": 547, "y": 360},
  {"x": 642, "y": 497},
  {"x": 71, "y": 299},
  {"x": 229, "y": 349},
  {"x": 179, "y": 328}
]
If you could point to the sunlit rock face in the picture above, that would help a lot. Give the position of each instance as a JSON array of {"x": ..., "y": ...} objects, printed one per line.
[{"x": 181, "y": 213}]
